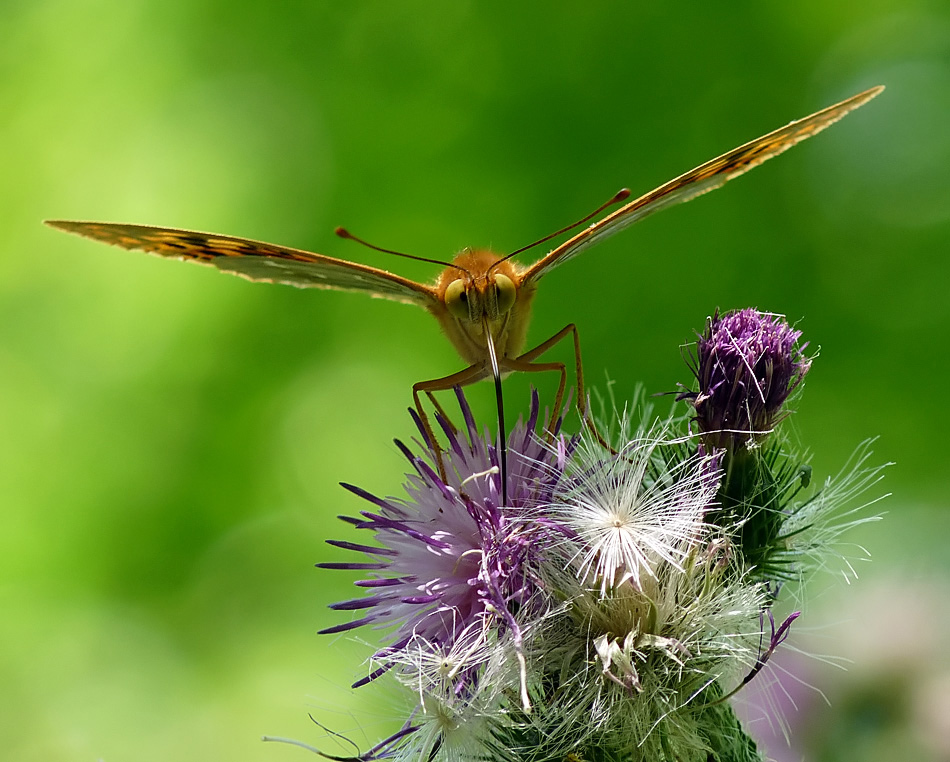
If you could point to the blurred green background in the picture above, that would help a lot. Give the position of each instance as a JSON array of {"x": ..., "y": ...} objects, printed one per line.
[{"x": 172, "y": 438}]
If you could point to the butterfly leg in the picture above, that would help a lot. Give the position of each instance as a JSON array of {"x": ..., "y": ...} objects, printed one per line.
[
  {"x": 469, "y": 375},
  {"x": 525, "y": 362},
  {"x": 441, "y": 411},
  {"x": 541, "y": 367}
]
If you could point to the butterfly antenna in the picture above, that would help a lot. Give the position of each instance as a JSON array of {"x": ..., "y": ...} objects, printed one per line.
[
  {"x": 622, "y": 195},
  {"x": 344, "y": 233}
]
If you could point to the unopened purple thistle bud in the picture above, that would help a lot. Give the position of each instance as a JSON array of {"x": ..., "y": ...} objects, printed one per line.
[{"x": 747, "y": 364}]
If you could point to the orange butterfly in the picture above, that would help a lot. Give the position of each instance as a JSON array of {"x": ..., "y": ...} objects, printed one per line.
[{"x": 481, "y": 300}]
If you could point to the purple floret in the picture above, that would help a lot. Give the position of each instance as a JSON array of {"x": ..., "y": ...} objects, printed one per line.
[{"x": 747, "y": 364}]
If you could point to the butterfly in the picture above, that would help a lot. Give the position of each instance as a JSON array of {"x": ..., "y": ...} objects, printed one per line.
[{"x": 481, "y": 300}]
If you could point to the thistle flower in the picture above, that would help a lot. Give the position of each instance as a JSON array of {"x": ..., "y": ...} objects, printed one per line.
[
  {"x": 451, "y": 557},
  {"x": 657, "y": 614},
  {"x": 595, "y": 616},
  {"x": 622, "y": 594},
  {"x": 635, "y": 510},
  {"x": 747, "y": 364}
]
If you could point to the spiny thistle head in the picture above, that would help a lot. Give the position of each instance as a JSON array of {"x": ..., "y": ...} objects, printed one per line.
[
  {"x": 747, "y": 363},
  {"x": 599, "y": 614},
  {"x": 451, "y": 558},
  {"x": 611, "y": 607},
  {"x": 633, "y": 511},
  {"x": 654, "y": 610}
]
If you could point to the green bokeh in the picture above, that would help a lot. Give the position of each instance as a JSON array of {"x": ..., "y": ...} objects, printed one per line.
[{"x": 172, "y": 439}]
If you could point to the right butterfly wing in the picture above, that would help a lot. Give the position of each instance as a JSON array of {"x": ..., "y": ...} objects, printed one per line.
[
  {"x": 702, "y": 179},
  {"x": 256, "y": 260}
]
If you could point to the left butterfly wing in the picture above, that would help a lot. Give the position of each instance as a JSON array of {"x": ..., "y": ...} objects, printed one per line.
[
  {"x": 256, "y": 260},
  {"x": 703, "y": 179}
]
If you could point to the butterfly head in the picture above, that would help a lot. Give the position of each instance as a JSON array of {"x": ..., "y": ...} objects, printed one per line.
[{"x": 478, "y": 287}]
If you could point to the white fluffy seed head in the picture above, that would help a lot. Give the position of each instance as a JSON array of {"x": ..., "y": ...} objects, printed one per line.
[{"x": 635, "y": 510}]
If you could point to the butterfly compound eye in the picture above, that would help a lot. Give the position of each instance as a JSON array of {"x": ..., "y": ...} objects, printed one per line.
[
  {"x": 456, "y": 299},
  {"x": 505, "y": 293}
]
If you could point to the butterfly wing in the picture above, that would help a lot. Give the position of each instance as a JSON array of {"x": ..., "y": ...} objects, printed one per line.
[
  {"x": 703, "y": 179},
  {"x": 256, "y": 261}
]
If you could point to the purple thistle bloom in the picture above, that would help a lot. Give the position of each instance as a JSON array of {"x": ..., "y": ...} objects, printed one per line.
[
  {"x": 747, "y": 364},
  {"x": 611, "y": 606},
  {"x": 450, "y": 558}
]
